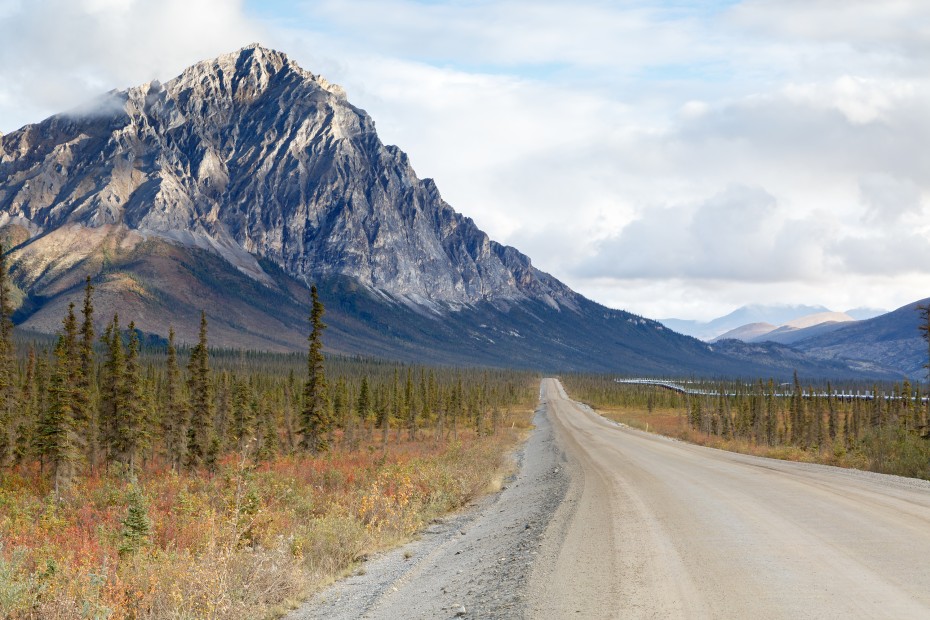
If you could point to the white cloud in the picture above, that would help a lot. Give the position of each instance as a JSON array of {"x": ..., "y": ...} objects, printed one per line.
[
  {"x": 888, "y": 198},
  {"x": 655, "y": 155},
  {"x": 738, "y": 235},
  {"x": 56, "y": 54}
]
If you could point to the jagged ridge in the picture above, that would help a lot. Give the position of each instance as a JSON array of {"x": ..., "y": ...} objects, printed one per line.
[{"x": 251, "y": 156}]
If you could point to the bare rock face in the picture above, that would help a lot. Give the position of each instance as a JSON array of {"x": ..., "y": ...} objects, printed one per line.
[{"x": 251, "y": 157}]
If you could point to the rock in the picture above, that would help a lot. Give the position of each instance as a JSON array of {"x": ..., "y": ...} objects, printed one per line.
[{"x": 253, "y": 157}]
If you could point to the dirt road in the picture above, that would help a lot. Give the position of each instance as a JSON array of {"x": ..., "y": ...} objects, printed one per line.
[
  {"x": 655, "y": 528},
  {"x": 607, "y": 522}
]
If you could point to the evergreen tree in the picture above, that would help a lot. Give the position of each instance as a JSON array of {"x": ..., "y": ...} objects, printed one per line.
[
  {"x": 363, "y": 404},
  {"x": 269, "y": 440},
  {"x": 315, "y": 418},
  {"x": 58, "y": 438},
  {"x": 39, "y": 447},
  {"x": 200, "y": 431},
  {"x": 243, "y": 413},
  {"x": 771, "y": 415},
  {"x": 174, "y": 417},
  {"x": 112, "y": 392},
  {"x": 29, "y": 410},
  {"x": 85, "y": 418},
  {"x": 8, "y": 393},
  {"x": 132, "y": 416},
  {"x": 924, "y": 328},
  {"x": 410, "y": 409},
  {"x": 797, "y": 413},
  {"x": 136, "y": 525}
]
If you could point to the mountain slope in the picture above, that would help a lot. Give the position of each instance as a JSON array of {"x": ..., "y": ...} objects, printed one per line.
[
  {"x": 236, "y": 184},
  {"x": 747, "y": 332},
  {"x": 891, "y": 340},
  {"x": 803, "y": 327},
  {"x": 251, "y": 156},
  {"x": 755, "y": 313}
]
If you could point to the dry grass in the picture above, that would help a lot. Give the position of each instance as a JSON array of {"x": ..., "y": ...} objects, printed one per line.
[
  {"x": 673, "y": 423},
  {"x": 247, "y": 542}
]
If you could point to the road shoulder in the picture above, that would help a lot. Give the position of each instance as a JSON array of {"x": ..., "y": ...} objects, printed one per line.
[{"x": 474, "y": 564}]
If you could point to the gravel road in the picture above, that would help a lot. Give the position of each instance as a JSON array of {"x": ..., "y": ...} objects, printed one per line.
[
  {"x": 603, "y": 521},
  {"x": 475, "y": 564}
]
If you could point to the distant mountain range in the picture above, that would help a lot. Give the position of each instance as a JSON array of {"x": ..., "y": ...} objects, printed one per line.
[
  {"x": 235, "y": 185},
  {"x": 890, "y": 340},
  {"x": 792, "y": 331},
  {"x": 873, "y": 343},
  {"x": 772, "y": 314},
  {"x": 756, "y": 319}
]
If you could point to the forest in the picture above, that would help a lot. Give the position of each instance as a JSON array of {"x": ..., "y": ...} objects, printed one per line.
[
  {"x": 877, "y": 427},
  {"x": 143, "y": 479}
]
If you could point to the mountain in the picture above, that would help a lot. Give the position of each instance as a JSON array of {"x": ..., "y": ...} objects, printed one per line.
[
  {"x": 891, "y": 340},
  {"x": 235, "y": 185},
  {"x": 805, "y": 327},
  {"x": 861, "y": 314},
  {"x": 775, "y": 314},
  {"x": 747, "y": 333},
  {"x": 792, "y": 331}
]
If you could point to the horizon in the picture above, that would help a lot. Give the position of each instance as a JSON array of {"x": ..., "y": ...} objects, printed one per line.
[{"x": 791, "y": 155}]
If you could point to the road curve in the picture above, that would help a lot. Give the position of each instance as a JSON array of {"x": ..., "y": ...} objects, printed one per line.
[{"x": 656, "y": 528}]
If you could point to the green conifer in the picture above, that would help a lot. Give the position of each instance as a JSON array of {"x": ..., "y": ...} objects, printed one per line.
[
  {"x": 131, "y": 411},
  {"x": 136, "y": 524},
  {"x": 315, "y": 417},
  {"x": 58, "y": 437},
  {"x": 85, "y": 411},
  {"x": 112, "y": 393},
  {"x": 200, "y": 431},
  {"x": 8, "y": 393},
  {"x": 174, "y": 417}
]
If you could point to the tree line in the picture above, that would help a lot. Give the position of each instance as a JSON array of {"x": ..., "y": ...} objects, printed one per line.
[
  {"x": 886, "y": 424},
  {"x": 94, "y": 402}
]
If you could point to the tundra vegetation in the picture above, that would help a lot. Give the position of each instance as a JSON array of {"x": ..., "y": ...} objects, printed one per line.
[
  {"x": 879, "y": 427},
  {"x": 142, "y": 479}
]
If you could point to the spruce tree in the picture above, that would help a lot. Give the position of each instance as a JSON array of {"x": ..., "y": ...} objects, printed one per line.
[
  {"x": 174, "y": 417},
  {"x": 131, "y": 413},
  {"x": 410, "y": 409},
  {"x": 200, "y": 431},
  {"x": 797, "y": 413},
  {"x": 315, "y": 418},
  {"x": 243, "y": 413},
  {"x": 112, "y": 393},
  {"x": 29, "y": 411},
  {"x": 269, "y": 439},
  {"x": 136, "y": 524},
  {"x": 84, "y": 409},
  {"x": 8, "y": 393},
  {"x": 38, "y": 444},
  {"x": 58, "y": 438},
  {"x": 924, "y": 328},
  {"x": 363, "y": 404}
]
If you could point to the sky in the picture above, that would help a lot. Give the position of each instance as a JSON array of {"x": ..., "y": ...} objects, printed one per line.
[{"x": 671, "y": 158}]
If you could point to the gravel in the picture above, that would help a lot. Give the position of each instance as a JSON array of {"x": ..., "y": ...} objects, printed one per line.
[{"x": 473, "y": 564}]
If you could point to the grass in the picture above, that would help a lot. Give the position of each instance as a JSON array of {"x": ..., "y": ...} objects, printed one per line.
[
  {"x": 673, "y": 423},
  {"x": 250, "y": 541}
]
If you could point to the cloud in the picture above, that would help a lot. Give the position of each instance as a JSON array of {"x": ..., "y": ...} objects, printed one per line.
[
  {"x": 655, "y": 155},
  {"x": 737, "y": 235},
  {"x": 512, "y": 32},
  {"x": 56, "y": 54},
  {"x": 738, "y": 154},
  {"x": 892, "y": 26},
  {"x": 888, "y": 198}
]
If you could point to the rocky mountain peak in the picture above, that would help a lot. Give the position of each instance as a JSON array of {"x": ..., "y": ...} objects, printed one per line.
[{"x": 252, "y": 157}]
